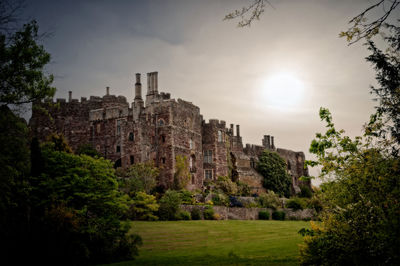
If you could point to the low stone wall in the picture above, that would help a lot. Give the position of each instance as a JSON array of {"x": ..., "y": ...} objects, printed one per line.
[{"x": 235, "y": 213}]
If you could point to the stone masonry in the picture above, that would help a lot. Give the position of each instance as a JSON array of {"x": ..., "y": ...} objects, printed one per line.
[{"x": 158, "y": 129}]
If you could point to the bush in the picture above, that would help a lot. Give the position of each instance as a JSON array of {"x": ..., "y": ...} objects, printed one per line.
[
  {"x": 305, "y": 192},
  {"x": 217, "y": 216},
  {"x": 186, "y": 197},
  {"x": 243, "y": 189},
  {"x": 196, "y": 214},
  {"x": 183, "y": 215},
  {"x": 295, "y": 204},
  {"x": 263, "y": 215},
  {"x": 274, "y": 170},
  {"x": 143, "y": 208},
  {"x": 234, "y": 202},
  {"x": 226, "y": 185},
  {"x": 169, "y": 205},
  {"x": 269, "y": 200},
  {"x": 220, "y": 199},
  {"x": 208, "y": 213},
  {"x": 278, "y": 215}
]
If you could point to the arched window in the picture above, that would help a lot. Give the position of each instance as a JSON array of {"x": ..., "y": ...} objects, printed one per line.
[
  {"x": 161, "y": 122},
  {"x": 219, "y": 136}
]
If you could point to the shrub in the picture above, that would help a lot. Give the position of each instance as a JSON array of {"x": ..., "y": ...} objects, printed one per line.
[
  {"x": 208, "y": 213},
  {"x": 305, "y": 192},
  {"x": 186, "y": 197},
  {"x": 278, "y": 215},
  {"x": 226, "y": 185},
  {"x": 234, "y": 202},
  {"x": 144, "y": 206},
  {"x": 183, "y": 215},
  {"x": 196, "y": 214},
  {"x": 169, "y": 205},
  {"x": 220, "y": 199},
  {"x": 316, "y": 203},
  {"x": 217, "y": 216},
  {"x": 263, "y": 215},
  {"x": 269, "y": 200},
  {"x": 243, "y": 189},
  {"x": 295, "y": 204},
  {"x": 274, "y": 170}
]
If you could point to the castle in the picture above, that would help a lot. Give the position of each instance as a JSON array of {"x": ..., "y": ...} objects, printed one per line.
[{"x": 159, "y": 129}]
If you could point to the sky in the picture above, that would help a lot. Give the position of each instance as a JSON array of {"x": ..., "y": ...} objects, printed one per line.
[{"x": 270, "y": 78}]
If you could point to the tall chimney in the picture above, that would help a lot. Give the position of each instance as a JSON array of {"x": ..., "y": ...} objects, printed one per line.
[
  {"x": 70, "y": 96},
  {"x": 155, "y": 86},
  {"x": 268, "y": 142},
  {"x": 107, "y": 91},
  {"x": 272, "y": 143},
  {"x": 138, "y": 88},
  {"x": 149, "y": 90},
  {"x": 238, "y": 130},
  {"x": 232, "y": 129}
]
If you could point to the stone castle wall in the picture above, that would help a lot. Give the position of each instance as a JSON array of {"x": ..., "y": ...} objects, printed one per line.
[{"x": 158, "y": 129}]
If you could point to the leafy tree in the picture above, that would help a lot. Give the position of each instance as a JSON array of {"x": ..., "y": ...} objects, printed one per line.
[
  {"x": 88, "y": 150},
  {"x": 169, "y": 205},
  {"x": 273, "y": 168},
  {"x": 144, "y": 206},
  {"x": 139, "y": 177},
  {"x": 270, "y": 200},
  {"x": 76, "y": 200},
  {"x": 14, "y": 188},
  {"x": 385, "y": 123},
  {"x": 361, "y": 222},
  {"x": 182, "y": 174},
  {"x": 22, "y": 62}
]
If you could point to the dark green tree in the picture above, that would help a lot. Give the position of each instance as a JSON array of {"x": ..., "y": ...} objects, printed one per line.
[
  {"x": 88, "y": 150},
  {"x": 274, "y": 170},
  {"x": 22, "y": 62}
]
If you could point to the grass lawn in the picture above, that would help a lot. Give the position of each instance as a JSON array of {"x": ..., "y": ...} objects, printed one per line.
[{"x": 228, "y": 242}]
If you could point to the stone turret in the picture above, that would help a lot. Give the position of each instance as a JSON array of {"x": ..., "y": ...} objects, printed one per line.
[{"x": 152, "y": 87}]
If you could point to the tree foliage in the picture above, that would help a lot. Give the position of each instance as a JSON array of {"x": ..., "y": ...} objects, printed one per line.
[
  {"x": 143, "y": 207},
  {"x": 361, "y": 222},
  {"x": 22, "y": 62},
  {"x": 273, "y": 168},
  {"x": 182, "y": 172},
  {"x": 139, "y": 177}
]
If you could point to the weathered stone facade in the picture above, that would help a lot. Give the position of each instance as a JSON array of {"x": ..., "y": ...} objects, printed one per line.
[{"x": 159, "y": 129}]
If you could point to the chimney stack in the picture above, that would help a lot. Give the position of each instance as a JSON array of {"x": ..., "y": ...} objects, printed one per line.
[
  {"x": 155, "y": 82},
  {"x": 149, "y": 90},
  {"x": 272, "y": 143},
  {"x": 238, "y": 130},
  {"x": 138, "y": 88},
  {"x": 232, "y": 129},
  {"x": 107, "y": 90},
  {"x": 70, "y": 96}
]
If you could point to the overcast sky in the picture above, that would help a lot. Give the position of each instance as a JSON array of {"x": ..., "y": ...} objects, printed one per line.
[{"x": 225, "y": 70}]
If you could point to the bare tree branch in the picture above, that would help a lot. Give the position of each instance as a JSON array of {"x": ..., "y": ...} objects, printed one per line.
[
  {"x": 249, "y": 13},
  {"x": 361, "y": 29}
]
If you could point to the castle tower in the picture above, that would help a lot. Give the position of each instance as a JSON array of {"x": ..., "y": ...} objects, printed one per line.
[{"x": 138, "y": 103}]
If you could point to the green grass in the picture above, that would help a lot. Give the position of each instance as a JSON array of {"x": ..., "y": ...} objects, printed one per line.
[{"x": 218, "y": 242}]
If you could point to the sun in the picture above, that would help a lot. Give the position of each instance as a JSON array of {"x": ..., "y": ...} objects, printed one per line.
[{"x": 282, "y": 90}]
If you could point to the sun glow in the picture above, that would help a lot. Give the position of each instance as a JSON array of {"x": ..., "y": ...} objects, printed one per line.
[{"x": 282, "y": 90}]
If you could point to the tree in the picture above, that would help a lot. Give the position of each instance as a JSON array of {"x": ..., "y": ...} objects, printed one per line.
[
  {"x": 88, "y": 150},
  {"x": 76, "y": 210},
  {"x": 144, "y": 206},
  {"x": 273, "y": 168},
  {"x": 22, "y": 62},
  {"x": 360, "y": 225},
  {"x": 387, "y": 66},
  {"x": 182, "y": 173},
  {"x": 249, "y": 13},
  {"x": 169, "y": 205},
  {"x": 139, "y": 177}
]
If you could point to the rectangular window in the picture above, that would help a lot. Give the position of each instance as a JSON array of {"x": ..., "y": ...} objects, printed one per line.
[
  {"x": 132, "y": 159},
  {"x": 208, "y": 156},
  {"x": 118, "y": 148},
  {"x": 163, "y": 160},
  {"x": 118, "y": 127},
  {"x": 219, "y": 136},
  {"x": 131, "y": 136},
  {"x": 191, "y": 144},
  {"x": 208, "y": 173}
]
